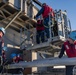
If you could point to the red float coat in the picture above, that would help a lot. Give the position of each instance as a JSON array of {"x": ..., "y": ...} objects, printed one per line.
[
  {"x": 40, "y": 25},
  {"x": 70, "y": 50},
  {"x": 17, "y": 59},
  {"x": 47, "y": 10}
]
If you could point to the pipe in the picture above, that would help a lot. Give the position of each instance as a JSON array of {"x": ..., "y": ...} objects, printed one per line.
[
  {"x": 45, "y": 63},
  {"x": 37, "y": 2}
]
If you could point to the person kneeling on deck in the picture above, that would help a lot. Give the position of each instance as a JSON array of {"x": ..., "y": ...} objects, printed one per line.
[
  {"x": 40, "y": 31},
  {"x": 15, "y": 58},
  {"x": 69, "y": 47}
]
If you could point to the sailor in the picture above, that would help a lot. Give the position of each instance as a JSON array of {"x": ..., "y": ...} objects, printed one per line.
[
  {"x": 40, "y": 31},
  {"x": 69, "y": 47},
  {"x": 45, "y": 11},
  {"x": 16, "y": 58}
]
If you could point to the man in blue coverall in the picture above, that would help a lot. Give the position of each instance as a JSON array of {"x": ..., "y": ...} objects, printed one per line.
[{"x": 45, "y": 11}]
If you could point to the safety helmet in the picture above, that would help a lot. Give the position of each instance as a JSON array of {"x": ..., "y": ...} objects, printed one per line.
[
  {"x": 72, "y": 35},
  {"x": 4, "y": 48},
  {"x": 43, "y": 4},
  {"x": 13, "y": 55},
  {"x": 3, "y": 30}
]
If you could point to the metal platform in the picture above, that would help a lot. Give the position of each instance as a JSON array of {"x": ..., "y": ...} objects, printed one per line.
[
  {"x": 46, "y": 47},
  {"x": 8, "y": 13}
]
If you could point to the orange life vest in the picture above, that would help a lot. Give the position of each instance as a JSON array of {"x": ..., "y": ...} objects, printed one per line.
[
  {"x": 70, "y": 50},
  {"x": 47, "y": 10}
]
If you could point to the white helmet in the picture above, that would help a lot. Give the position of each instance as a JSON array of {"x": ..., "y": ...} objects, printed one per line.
[
  {"x": 3, "y": 30},
  {"x": 72, "y": 35}
]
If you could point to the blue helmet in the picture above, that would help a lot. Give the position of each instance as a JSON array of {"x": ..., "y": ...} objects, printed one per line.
[
  {"x": 4, "y": 48},
  {"x": 2, "y": 29},
  {"x": 13, "y": 55},
  {"x": 72, "y": 35}
]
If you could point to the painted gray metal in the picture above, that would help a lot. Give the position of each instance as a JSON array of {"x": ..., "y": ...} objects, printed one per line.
[{"x": 45, "y": 63}]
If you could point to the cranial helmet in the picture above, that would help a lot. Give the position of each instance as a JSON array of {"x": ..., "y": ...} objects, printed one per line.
[
  {"x": 3, "y": 30},
  {"x": 43, "y": 4},
  {"x": 72, "y": 35},
  {"x": 13, "y": 55}
]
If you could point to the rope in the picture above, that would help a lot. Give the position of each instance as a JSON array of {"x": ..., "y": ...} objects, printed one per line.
[{"x": 52, "y": 23}]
